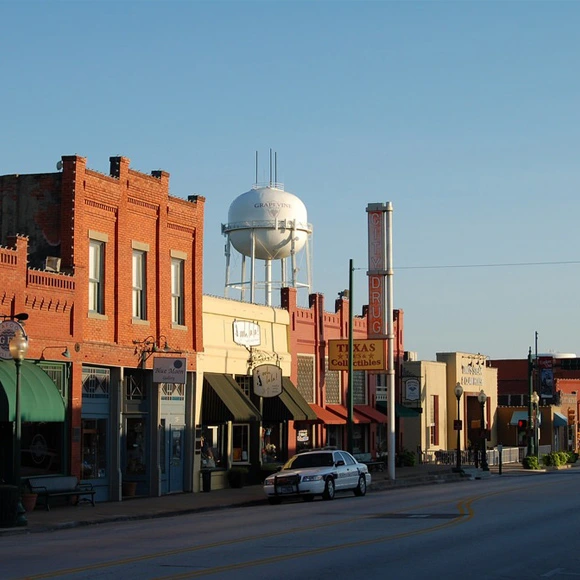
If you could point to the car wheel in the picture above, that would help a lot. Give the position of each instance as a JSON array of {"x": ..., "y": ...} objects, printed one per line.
[
  {"x": 308, "y": 497},
  {"x": 274, "y": 501},
  {"x": 361, "y": 488},
  {"x": 329, "y": 489}
]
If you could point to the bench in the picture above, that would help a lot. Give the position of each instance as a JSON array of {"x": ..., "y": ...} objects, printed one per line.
[
  {"x": 61, "y": 486},
  {"x": 367, "y": 459}
]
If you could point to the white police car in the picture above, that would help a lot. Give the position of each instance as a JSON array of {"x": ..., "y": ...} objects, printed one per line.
[{"x": 319, "y": 472}]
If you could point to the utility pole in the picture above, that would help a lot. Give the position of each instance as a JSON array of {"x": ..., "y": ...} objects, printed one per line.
[
  {"x": 529, "y": 430},
  {"x": 350, "y": 355}
]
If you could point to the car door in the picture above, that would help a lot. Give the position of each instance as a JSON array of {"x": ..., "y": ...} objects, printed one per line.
[
  {"x": 352, "y": 473},
  {"x": 341, "y": 471}
]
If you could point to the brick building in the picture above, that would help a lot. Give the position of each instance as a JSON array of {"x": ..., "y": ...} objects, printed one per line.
[
  {"x": 556, "y": 379},
  {"x": 109, "y": 270},
  {"x": 326, "y": 390}
]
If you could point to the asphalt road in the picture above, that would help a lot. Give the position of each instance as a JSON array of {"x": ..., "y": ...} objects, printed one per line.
[{"x": 495, "y": 528}]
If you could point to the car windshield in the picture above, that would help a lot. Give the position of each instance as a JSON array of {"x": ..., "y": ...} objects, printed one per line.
[{"x": 310, "y": 460}]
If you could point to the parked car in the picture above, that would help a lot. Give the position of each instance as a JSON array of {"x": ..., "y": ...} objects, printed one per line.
[{"x": 320, "y": 472}]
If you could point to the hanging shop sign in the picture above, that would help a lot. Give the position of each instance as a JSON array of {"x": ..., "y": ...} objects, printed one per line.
[
  {"x": 368, "y": 355},
  {"x": 267, "y": 380},
  {"x": 169, "y": 370},
  {"x": 246, "y": 333},
  {"x": 412, "y": 390},
  {"x": 8, "y": 329}
]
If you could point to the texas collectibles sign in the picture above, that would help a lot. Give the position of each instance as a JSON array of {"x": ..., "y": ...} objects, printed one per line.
[
  {"x": 267, "y": 380},
  {"x": 8, "y": 329},
  {"x": 169, "y": 370},
  {"x": 368, "y": 355}
]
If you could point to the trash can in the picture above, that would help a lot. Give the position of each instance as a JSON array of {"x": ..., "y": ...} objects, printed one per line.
[
  {"x": 206, "y": 480},
  {"x": 8, "y": 505}
]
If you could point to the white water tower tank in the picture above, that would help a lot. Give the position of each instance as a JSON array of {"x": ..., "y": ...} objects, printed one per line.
[{"x": 276, "y": 219}]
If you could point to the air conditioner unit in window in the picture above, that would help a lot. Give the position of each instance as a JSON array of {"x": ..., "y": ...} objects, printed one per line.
[{"x": 52, "y": 264}]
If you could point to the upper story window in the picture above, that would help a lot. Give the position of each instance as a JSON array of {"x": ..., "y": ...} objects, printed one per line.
[
  {"x": 139, "y": 284},
  {"x": 306, "y": 376},
  {"x": 97, "y": 275},
  {"x": 177, "y": 291},
  {"x": 359, "y": 387}
]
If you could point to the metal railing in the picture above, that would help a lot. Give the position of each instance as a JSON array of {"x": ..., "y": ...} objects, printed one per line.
[{"x": 472, "y": 456}]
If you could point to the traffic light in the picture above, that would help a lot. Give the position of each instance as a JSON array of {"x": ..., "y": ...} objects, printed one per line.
[{"x": 522, "y": 424}]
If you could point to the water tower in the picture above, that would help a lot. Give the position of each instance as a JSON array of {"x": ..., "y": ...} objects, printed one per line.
[{"x": 270, "y": 225}]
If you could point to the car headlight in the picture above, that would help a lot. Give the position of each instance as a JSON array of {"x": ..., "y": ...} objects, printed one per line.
[
  {"x": 269, "y": 481},
  {"x": 312, "y": 478}
]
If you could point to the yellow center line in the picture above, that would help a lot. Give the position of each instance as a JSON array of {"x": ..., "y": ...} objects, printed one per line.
[{"x": 463, "y": 507}]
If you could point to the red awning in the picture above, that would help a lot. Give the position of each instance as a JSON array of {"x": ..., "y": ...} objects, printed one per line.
[
  {"x": 326, "y": 416},
  {"x": 342, "y": 412},
  {"x": 370, "y": 412}
]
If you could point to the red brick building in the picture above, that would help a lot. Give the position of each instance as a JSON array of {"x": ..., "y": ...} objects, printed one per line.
[
  {"x": 109, "y": 270},
  {"x": 557, "y": 383},
  {"x": 326, "y": 390}
]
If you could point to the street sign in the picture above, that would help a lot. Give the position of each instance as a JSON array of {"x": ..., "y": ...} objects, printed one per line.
[{"x": 457, "y": 424}]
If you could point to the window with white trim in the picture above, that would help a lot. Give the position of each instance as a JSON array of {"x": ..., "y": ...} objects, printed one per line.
[
  {"x": 96, "y": 276},
  {"x": 177, "y": 291},
  {"x": 139, "y": 285}
]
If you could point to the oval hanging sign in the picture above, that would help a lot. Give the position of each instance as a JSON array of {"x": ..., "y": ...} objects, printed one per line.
[{"x": 267, "y": 380}]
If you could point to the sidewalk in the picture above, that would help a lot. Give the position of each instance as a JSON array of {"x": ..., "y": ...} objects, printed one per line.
[{"x": 62, "y": 517}]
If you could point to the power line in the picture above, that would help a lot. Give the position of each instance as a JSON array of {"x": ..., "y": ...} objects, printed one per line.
[{"x": 508, "y": 265}]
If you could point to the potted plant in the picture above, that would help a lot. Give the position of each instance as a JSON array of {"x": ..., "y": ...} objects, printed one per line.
[
  {"x": 28, "y": 497},
  {"x": 237, "y": 476}
]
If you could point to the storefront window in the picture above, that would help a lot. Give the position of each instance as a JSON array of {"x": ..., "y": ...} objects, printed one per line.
[
  {"x": 269, "y": 444},
  {"x": 41, "y": 449},
  {"x": 303, "y": 438},
  {"x": 333, "y": 436},
  {"x": 136, "y": 449},
  {"x": 241, "y": 443},
  {"x": 358, "y": 439},
  {"x": 94, "y": 432},
  {"x": 213, "y": 446}
]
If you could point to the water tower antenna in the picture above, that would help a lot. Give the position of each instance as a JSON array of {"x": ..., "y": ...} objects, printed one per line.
[{"x": 275, "y": 168}]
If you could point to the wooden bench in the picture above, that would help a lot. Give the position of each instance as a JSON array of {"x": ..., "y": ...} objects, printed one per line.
[
  {"x": 367, "y": 459},
  {"x": 61, "y": 486}
]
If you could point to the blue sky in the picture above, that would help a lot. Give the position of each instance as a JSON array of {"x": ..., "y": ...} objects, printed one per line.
[{"x": 462, "y": 114}]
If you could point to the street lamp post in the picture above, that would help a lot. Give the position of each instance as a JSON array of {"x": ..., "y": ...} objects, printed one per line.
[
  {"x": 536, "y": 439},
  {"x": 482, "y": 397},
  {"x": 458, "y": 392},
  {"x": 18, "y": 348}
]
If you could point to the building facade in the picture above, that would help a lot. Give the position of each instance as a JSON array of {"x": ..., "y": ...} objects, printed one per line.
[{"x": 111, "y": 271}]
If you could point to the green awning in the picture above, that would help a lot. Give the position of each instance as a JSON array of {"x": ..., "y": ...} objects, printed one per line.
[
  {"x": 290, "y": 405},
  {"x": 223, "y": 401},
  {"x": 40, "y": 399},
  {"x": 560, "y": 420}
]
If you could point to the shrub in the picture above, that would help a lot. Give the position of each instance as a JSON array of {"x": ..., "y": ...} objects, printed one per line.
[
  {"x": 555, "y": 458},
  {"x": 531, "y": 462},
  {"x": 237, "y": 476},
  {"x": 572, "y": 457},
  {"x": 405, "y": 458}
]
